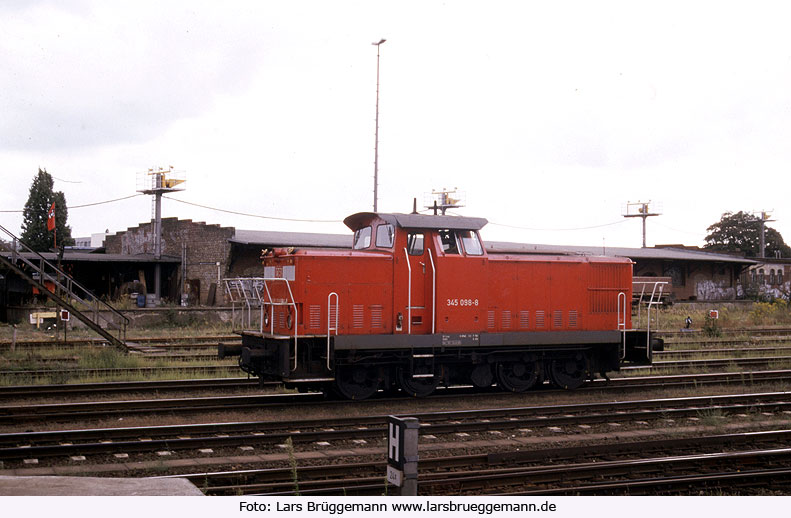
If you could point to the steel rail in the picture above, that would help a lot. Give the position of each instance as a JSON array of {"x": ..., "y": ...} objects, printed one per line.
[
  {"x": 84, "y": 410},
  {"x": 124, "y": 386},
  {"x": 372, "y": 426},
  {"x": 542, "y": 478},
  {"x": 269, "y": 479},
  {"x": 198, "y": 384}
]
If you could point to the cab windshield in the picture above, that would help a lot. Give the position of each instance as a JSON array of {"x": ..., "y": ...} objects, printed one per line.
[
  {"x": 384, "y": 236},
  {"x": 472, "y": 245},
  {"x": 362, "y": 238}
]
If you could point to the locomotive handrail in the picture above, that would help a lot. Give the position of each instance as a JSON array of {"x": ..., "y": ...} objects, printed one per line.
[
  {"x": 655, "y": 301},
  {"x": 433, "y": 292},
  {"x": 329, "y": 327},
  {"x": 259, "y": 286},
  {"x": 409, "y": 294},
  {"x": 621, "y": 311}
]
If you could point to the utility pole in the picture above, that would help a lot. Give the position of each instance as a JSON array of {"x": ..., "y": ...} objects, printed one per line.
[
  {"x": 765, "y": 215},
  {"x": 640, "y": 210},
  {"x": 376, "y": 133}
]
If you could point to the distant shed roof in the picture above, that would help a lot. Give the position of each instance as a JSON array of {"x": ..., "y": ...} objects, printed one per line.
[
  {"x": 633, "y": 253},
  {"x": 270, "y": 238},
  {"x": 84, "y": 257}
]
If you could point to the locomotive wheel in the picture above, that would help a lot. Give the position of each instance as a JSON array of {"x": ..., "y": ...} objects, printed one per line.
[
  {"x": 417, "y": 387},
  {"x": 356, "y": 381},
  {"x": 481, "y": 376},
  {"x": 568, "y": 373},
  {"x": 518, "y": 376}
]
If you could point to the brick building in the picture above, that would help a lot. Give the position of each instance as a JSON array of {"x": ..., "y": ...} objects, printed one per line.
[
  {"x": 770, "y": 278},
  {"x": 203, "y": 251}
]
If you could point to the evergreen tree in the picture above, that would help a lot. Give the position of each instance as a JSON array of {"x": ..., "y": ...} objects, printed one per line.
[
  {"x": 741, "y": 232},
  {"x": 36, "y": 211}
]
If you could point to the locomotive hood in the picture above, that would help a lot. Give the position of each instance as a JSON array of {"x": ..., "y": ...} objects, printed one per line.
[{"x": 422, "y": 221}]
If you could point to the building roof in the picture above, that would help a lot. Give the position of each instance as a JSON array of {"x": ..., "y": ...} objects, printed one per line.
[
  {"x": 633, "y": 253},
  {"x": 301, "y": 239},
  {"x": 84, "y": 257}
]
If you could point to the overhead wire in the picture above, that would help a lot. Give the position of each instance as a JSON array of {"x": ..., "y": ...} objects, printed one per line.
[
  {"x": 557, "y": 229},
  {"x": 254, "y": 215},
  {"x": 86, "y": 204}
]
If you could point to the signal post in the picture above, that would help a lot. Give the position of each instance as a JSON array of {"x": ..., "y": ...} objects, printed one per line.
[{"x": 402, "y": 455}]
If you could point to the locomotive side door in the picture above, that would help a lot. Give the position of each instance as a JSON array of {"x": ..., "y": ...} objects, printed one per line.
[{"x": 414, "y": 274}]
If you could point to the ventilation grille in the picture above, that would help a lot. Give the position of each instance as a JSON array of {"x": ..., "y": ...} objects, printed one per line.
[
  {"x": 376, "y": 317},
  {"x": 490, "y": 319},
  {"x": 557, "y": 319},
  {"x": 603, "y": 301},
  {"x": 314, "y": 316},
  {"x": 524, "y": 319},
  {"x": 505, "y": 319},
  {"x": 281, "y": 317},
  {"x": 358, "y": 316},
  {"x": 540, "y": 319},
  {"x": 573, "y": 318}
]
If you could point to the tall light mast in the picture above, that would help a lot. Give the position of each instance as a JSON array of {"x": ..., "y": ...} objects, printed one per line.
[
  {"x": 376, "y": 134},
  {"x": 157, "y": 181}
]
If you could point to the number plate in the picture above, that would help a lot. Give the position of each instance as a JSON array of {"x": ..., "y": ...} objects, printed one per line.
[{"x": 394, "y": 476}]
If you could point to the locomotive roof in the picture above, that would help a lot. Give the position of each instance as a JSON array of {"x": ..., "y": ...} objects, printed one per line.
[{"x": 426, "y": 221}]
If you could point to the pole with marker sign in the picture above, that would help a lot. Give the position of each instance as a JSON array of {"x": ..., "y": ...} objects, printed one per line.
[
  {"x": 402, "y": 453},
  {"x": 64, "y": 317}
]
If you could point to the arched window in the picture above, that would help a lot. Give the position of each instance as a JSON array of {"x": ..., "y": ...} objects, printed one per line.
[{"x": 772, "y": 276}]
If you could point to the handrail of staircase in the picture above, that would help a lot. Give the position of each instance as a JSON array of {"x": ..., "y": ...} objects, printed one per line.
[{"x": 67, "y": 283}]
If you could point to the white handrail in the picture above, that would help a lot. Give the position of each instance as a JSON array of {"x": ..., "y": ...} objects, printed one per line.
[
  {"x": 329, "y": 327},
  {"x": 264, "y": 298},
  {"x": 409, "y": 293},
  {"x": 433, "y": 291},
  {"x": 621, "y": 311}
]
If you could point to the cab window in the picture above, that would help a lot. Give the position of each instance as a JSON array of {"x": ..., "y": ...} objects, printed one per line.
[
  {"x": 472, "y": 245},
  {"x": 414, "y": 243},
  {"x": 449, "y": 243},
  {"x": 362, "y": 238},
  {"x": 384, "y": 236}
]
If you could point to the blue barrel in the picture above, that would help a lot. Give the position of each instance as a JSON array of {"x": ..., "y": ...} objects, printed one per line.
[{"x": 141, "y": 300}]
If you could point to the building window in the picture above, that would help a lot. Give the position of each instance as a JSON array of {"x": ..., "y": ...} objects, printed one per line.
[{"x": 771, "y": 276}]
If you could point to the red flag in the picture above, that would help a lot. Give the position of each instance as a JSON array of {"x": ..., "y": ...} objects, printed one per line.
[{"x": 51, "y": 218}]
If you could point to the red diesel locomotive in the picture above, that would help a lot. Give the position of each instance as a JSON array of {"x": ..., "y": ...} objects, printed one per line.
[{"x": 418, "y": 302}]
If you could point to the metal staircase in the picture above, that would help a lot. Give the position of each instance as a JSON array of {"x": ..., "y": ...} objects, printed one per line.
[{"x": 68, "y": 293}]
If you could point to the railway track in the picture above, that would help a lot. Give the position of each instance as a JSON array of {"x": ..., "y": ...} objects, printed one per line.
[
  {"x": 70, "y": 411},
  {"x": 158, "y": 341},
  {"x": 487, "y": 474},
  {"x": 269, "y": 434},
  {"x": 142, "y": 372},
  {"x": 198, "y": 353},
  {"x": 82, "y": 389},
  {"x": 230, "y": 367}
]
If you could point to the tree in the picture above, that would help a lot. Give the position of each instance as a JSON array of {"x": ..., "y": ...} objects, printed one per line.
[
  {"x": 741, "y": 232},
  {"x": 36, "y": 211}
]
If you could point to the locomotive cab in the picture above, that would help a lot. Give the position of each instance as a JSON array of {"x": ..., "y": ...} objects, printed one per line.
[{"x": 418, "y": 302}]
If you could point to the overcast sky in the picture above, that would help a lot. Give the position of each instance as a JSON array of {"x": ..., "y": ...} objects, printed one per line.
[{"x": 550, "y": 116}]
